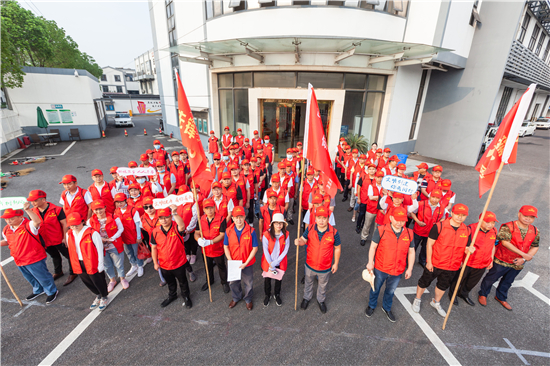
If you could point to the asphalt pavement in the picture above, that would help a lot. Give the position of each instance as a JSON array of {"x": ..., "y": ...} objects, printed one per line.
[{"x": 134, "y": 329}]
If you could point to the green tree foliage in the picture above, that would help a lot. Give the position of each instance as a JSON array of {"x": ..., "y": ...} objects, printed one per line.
[
  {"x": 359, "y": 142},
  {"x": 28, "y": 40}
]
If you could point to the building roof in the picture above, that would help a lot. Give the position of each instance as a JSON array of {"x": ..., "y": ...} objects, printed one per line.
[{"x": 57, "y": 71}]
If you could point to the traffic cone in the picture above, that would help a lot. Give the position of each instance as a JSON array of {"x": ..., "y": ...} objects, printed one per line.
[
  {"x": 125, "y": 133},
  {"x": 103, "y": 134},
  {"x": 171, "y": 135},
  {"x": 160, "y": 130},
  {"x": 144, "y": 132}
]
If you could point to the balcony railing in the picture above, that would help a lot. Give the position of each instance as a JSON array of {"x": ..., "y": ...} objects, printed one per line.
[
  {"x": 524, "y": 66},
  {"x": 143, "y": 76}
]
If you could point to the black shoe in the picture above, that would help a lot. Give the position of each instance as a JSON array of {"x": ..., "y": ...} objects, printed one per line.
[
  {"x": 225, "y": 288},
  {"x": 187, "y": 302},
  {"x": 167, "y": 302},
  {"x": 304, "y": 305},
  {"x": 291, "y": 222},
  {"x": 350, "y": 209},
  {"x": 257, "y": 216},
  {"x": 51, "y": 298},
  {"x": 344, "y": 199},
  {"x": 34, "y": 296},
  {"x": 322, "y": 307},
  {"x": 363, "y": 242},
  {"x": 278, "y": 300},
  {"x": 357, "y": 230},
  {"x": 369, "y": 311},
  {"x": 455, "y": 303},
  {"x": 467, "y": 300},
  {"x": 303, "y": 280},
  {"x": 205, "y": 286},
  {"x": 266, "y": 300},
  {"x": 389, "y": 314}
]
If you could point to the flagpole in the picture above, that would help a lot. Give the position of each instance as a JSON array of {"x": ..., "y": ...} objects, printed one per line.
[
  {"x": 202, "y": 237},
  {"x": 473, "y": 242},
  {"x": 299, "y": 227},
  {"x": 9, "y": 285}
]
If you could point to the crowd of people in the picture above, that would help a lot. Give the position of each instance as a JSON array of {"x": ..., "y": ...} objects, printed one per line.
[{"x": 92, "y": 227}]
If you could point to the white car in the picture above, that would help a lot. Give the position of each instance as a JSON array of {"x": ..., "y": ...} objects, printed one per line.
[
  {"x": 543, "y": 123},
  {"x": 123, "y": 119},
  {"x": 527, "y": 128}
]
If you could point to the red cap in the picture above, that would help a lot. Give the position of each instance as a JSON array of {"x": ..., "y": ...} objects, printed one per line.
[
  {"x": 387, "y": 149},
  {"x": 238, "y": 211},
  {"x": 134, "y": 186},
  {"x": 299, "y": 143},
  {"x": 233, "y": 166},
  {"x": 96, "y": 172},
  {"x": 528, "y": 211},
  {"x": 322, "y": 211},
  {"x": 355, "y": 151},
  {"x": 245, "y": 162},
  {"x": 226, "y": 128},
  {"x": 161, "y": 146},
  {"x": 217, "y": 156},
  {"x": 246, "y": 139},
  {"x": 317, "y": 199},
  {"x": 167, "y": 212},
  {"x": 225, "y": 153},
  {"x": 275, "y": 178},
  {"x": 394, "y": 158},
  {"x": 239, "y": 129},
  {"x": 260, "y": 151},
  {"x": 68, "y": 179},
  {"x": 380, "y": 150},
  {"x": 97, "y": 204},
  {"x": 74, "y": 219},
  {"x": 460, "y": 208},
  {"x": 183, "y": 151},
  {"x": 436, "y": 193},
  {"x": 310, "y": 171},
  {"x": 211, "y": 132},
  {"x": 233, "y": 146},
  {"x": 208, "y": 203},
  {"x": 362, "y": 156},
  {"x": 401, "y": 167},
  {"x": 148, "y": 200},
  {"x": 114, "y": 169},
  {"x": 255, "y": 132},
  {"x": 271, "y": 193},
  {"x": 156, "y": 142},
  {"x": 149, "y": 151},
  {"x": 379, "y": 174},
  {"x": 281, "y": 165},
  {"x": 10, "y": 212},
  {"x": 216, "y": 185},
  {"x": 36, "y": 194},
  {"x": 253, "y": 159},
  {"x": 371, "y": 165},
  {"x": 342, "y": 139},
  {"x": 437, "y": 168},
  {"x": 132, "y": 164},
  {"x": 226, "y": 175},
  {"x": 399, "y": 214},
  {"x": 143, "y": 157},
  {"x": 398, "y": 195},
  {"x": 446, "y": 183},
  {"x": 422, "y": 166},
  {"x": 183, "y": 189},
  {"x": 266, "y": 137},
  {"x": 489, "y": 217},
  {"x": 174, "y": 153},
  {"x": 289, "y": 164},
  {"x": 119, "y": 197},
  {"x": 160, "y": 163}
]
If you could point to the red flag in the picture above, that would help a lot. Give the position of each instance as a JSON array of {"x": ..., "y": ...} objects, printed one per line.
[
  {"x": 317, "y": 151},
  {"x": 504, "y": 145},
  {"x": 200, "y": 172}
]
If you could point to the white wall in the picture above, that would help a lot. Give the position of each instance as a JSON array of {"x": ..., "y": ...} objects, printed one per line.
[
  {"x": 152, "y": 106},
  {"x": 9, "y": 128},
  {"x": 458, "y": 32},
  {"x": 422, "y": 21}
]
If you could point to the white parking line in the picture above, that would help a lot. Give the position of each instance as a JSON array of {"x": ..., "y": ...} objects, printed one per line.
[
  {"x": 527, "y": 283},
  {"x": 41, "y": 156},
  {"x": 6, "y": 261}
]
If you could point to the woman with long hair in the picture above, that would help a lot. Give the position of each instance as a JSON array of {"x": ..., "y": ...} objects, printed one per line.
[{"x": 275, "y": 243}]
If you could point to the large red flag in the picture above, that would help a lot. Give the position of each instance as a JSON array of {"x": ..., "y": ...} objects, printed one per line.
[
  {"x": 504, "y": 146},
  {"x": 200, "y": 172},
  {"x": 315, "y": 145}
]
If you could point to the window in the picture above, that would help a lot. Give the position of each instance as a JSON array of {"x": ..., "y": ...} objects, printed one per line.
[
  {"x": 129, "y": 77},
  {"x": 119, "y": 89},
  {"x": 103, "y": 77},
  {"x": 524, "y": 26},
  {"x": 300, "y": 3},
  {"x": 117, "y": 77},
  {"x": 275, "y": 79},
  {"x": 539, "y": 44},
  {"x": 105, "y": 88},
  {"x": 351, "y": 118},
  {"x": 238, "y": 5},
  {"x": 328, "y": 80},
  {"x": 336, "y": 3},
  {"x": 546, "y": 51},
  {"x": 109, "y": 107},
  {"x": 503, "y": 105},
  {"x": 534, "y": 37},
  {"x": 355, "y": 81},
  {"x": 266, "y": 4},
  {"x": 418, "y": 103}
]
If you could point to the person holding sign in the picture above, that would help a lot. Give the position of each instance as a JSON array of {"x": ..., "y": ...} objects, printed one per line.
[
  {"x": 447, "y": 243},
  {"x": 149, "y": 221},
  {"x": 53, "y": 227},
  {"x": 27, "y": 249},
  {"x": 241, "y": 244},
  {"x": 275, "y": 243},
  {"x": 118, "y": 185},
  {"x": 323, "y": 245},
  {"x": 131, "y": 236},
  {"x": 101, "y": 190},
  {"x": 74, "y": 198}
]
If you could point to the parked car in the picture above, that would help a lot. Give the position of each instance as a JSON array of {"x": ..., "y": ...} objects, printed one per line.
[
  {"x": 123, "y": 119},
  {"x": 527, "y": 128},
  {"x": 543, "y": 123},
  {"x": 489, "y": 136}
]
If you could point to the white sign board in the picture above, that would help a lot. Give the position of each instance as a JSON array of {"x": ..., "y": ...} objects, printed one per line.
[
  {"x": 398, "y": 184},
  {"x": 12, "y": 202},
  {"x": 172, "y": 199},
  {"x": 137, "y": 172}
]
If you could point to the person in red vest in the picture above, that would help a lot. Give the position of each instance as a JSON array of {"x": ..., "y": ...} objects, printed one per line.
[
  {"x": 168, "y": 253},
  {"x": 74, "y": 198},
  {"x": 188, "y": 212},
  {"x": 419, "y": 176},
  {"x": 268, "y": 153},
  {"x": 391, "y": 167},
  {"x": 28, "y": 252},
  {"x": 241, "y": 244},
  {"x": 239, "y": 139},
  {"x": 224, "y": 205},
  {"x": 350, "y": 162},
  {"x": 234, "y": 156},
  {"x": 178, "y": 169},
  {"x": 247, "y": 150},
  {"x": 256, "y": 142},
  {"x": 136, "y": 199},
  {"x": 242, "y": 184},
  {"x": 518, "y": 242},
  {"x": 231, "y": 190},
  {"x": 377, "y": 158},
  {"x": 149, "y": 221},
  {"x": 267, "y": 211},
  {"x": 289, "y": 182},
  {"x": 227, "y": 139},
  {"x": 480, "y": 260},
  {"x": 117, "y": 184},
  {"x": 131, "y": 236},
  {"x": 213, "y": 144},
  {"x": 393, "y": 247},
  {"x": 282, "y": 194},
  {"x": 425, "y": 216},
  {"x": 165, "y": 178},
  {"x": 310, "y": 185},
  {"x": 260, "y": 175},
  {"x": 371, "y": 155},
  {"x": 448, "y": 241},
  {"x": 248, "y": 177},
  {"x": 144, "y": 161},
  {"x": 339, "y": 161},
  {"x": 213, "y": 228},
  {"x": 159, "y": 153},
  {"x": 357, "y": 171},
  {"x": 129, "y": 179},
  {"x": 217, "y": 168},
  {"x": 369, "y": 195},
  {"x": 449, "y": 197},
  {"x": 323, "y": 246},
  {"x": 317, "y": 201},
  {"x": 275, "y": 243},
  {"x": 429, "y": 183},
  {"x": 110, "y": 229},
  {"x": 53, "y": 227},
  {"x": 401, "y": 168},
  {"x": 152, "y": 160},
  {"x": 384, "y": 159},
  {"x": 184, "y": 160},
  {"x": 390, "y": 201},
  {"x": 87, "y": 258},
  {"x": 101, "y": 190}
]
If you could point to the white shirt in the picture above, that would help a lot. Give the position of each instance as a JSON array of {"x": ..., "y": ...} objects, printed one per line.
[
  {"x": 230, "y": 204},
  {"x": 70, "y": 197},
  {"x": 370, "y": 192},
  {"x": 96, "y": 238},
  {"x": 276, "y": 191},
  {"x": 120, "y": 229},
  {"x": 99, "y": 188},
  {"x": 330, "y": 219},
  {"x": 384, "y": 202}
]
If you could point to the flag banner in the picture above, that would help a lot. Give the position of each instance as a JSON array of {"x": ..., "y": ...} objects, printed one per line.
[
  {"x": 136, "y": 172},
  {"x": 504, "y": 146},
  {"x": 317, "y": 151}
]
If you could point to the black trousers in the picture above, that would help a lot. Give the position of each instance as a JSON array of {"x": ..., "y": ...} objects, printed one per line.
[
  {"x": 361, "y": 218},
  {"x": 191, "y": 245},
  {"x": 222, "y": 268},
  {"x": 95, "y": 282},
  {"x": 346, "y": 188},
  {"x": 469, "y": 280},
  {"x": 250, "y": 214},
  {"x": 56, "y": 251},
  {"x": 145, "y": 238},
  {"x": 267, "y": 286},
  {"x": 171, "y": 275},
  {"x": 421, "y": 241}
]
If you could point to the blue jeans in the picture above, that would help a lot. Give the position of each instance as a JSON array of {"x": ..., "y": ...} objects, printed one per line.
[
  {"x": 257, "y": 206},
  {"x": 38, "y": 276},
  {"x": 391, "y": 285},
  {"x": 131, "y": 251},
  {"x": 114, "y": 259},
  {"x": 508, "y": 275}
]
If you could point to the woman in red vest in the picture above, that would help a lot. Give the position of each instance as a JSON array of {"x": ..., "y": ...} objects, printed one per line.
[
  {"x": 87, "y": 253},
  {"x": 267, "y": 211},
  {"x": 275, "y": 243},
  {"x": 131, "y": 236},
  {"x": 74, "y": 198},
  {"x": 149, "y": 221},
  {"x": 101, "y": 190},
  {"x": 393, "y": 247}
]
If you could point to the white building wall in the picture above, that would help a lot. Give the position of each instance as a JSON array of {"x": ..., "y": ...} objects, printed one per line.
[
  {"x": 422, "y": 21},
  {"x": 458, "y": 32}
]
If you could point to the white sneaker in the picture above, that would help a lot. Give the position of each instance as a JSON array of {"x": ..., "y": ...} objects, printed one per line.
[
  {"x": 140, "y": 271},
  {"x": 103, "y": 304},
  {"x": 353, "y": 219},
  {"x": 132, "y": 271},
  {"x": 94, "y": 304},
  {"x": 416, "y": 305},
  {"x": 148, "y": 260},
  {"x": 193, "y": 259},
  {"x": 437, "y": 306},
  {"x": 188, "y": 257}
]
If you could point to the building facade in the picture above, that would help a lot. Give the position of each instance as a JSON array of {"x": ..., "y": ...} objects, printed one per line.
[
  {"x": 119, "y": 80},
  {"x": 146, "y": 73}
]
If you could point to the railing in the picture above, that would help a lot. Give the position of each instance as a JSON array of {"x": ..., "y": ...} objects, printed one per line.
[
  {"x": 524, "y": 64},
  {"x": 144, "y": 76}
]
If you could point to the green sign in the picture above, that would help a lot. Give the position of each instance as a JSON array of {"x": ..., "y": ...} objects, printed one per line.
[
  {"x": 53, "y": 116},
  {"x": 66, "y": 116}
]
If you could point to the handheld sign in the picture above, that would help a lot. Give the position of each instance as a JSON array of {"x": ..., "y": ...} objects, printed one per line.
[
  {"x": 12, "y": 202},
  {"x": 172, "y": 199},
  {"x": 398, "y": 184},
  {"x": 137, "y": 172}
]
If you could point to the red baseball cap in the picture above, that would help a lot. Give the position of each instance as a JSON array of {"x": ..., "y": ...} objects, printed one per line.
[
  {"x": 143, "y": 157},
  {"x": 217, "y": 156},
  {"x": 97, "y": 204},
  {"x": 255, "y": 132},
  {"x": 355, "y": 151},
  {"x": 114, "y": 169},
  {"x": 528, "y": 210},
  {"x": 208, "y": 203},
  {"x": 225, "y": 153},
  {"x": 460, "y": 208},
  {"x": 281, "y": 165},
  {"x": 446, "y": 183},
  {"x": 226, "y": 128},
  {"x": 371, "y": 165},
  {"x": 96, "y": 172},
  {"x": 132, "y": 164},
  {"x": 362, "y": 156},
  {"x": 275, "y": 178},
  {"x": 211, "y": 132},
  {"x": 253, "y": 159},
  {"x": 322, "y": 211},
  {"x": 239, "y": 129},
  {"x": 342, "y": 139},
  {"x": 36, "y": 194},
  {"x": 394, "y": 158},
  {"x": 238, "y": 211},
  {"x": 134, "y": 186},
  {"x": 216, "y": 185},
  {"x": 160, "y": 163},
  {"x": 317, "y": 199},
  {"x": 226, "y": 175},
  {"x": 379, "y": 174},
  {"x": 156, "y": 142},
  {"x": 148, "y": 200},
  {"x": 399, "y": 214},
  {"x": 387, "y": 149},
  {"x": 149, "y": 151},
  {"x": 174, "y": 153},
  {"x": 380, "y": 150},
  {"x": 183, "y": 189},
  {"x": 10, "y": 212},
  {"x": 233, "y": 166},
  {"x": 271, "y": 193},
  {"x": 310, "y": 171},
  {"x": 246, "y": 140},
  {"x": 489, "y": 217},
  {"x": 422, "y": 166},
  {"x": 68, "y": 179},
  {"x": 245, "y": 162},
  {"x": 289, "y": 164},
  {"x": 233, "y": 146},
  {"x": 119, "y": 197},
  {"x": 266, "y": 137},
  {"x": 164, "y": 212},
  {"x": 436, "y": 193},
  {"x": 183, "y": 151},
  {"x": 398, "y": 195},
  {"x": 74, "y": 219},
  {"x": 401, "y": 167},
  {"x": 437, "y": 168}
]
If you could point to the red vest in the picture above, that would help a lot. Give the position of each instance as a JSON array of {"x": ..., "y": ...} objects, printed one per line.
[
  {"x": 268, "y": 152},
  {"x": 505, "y": 254},
  {"x": 448, "y": 249},
  {"x": 148, "y": 224},
  {"x": 382, "y": 162},
  {"x": 77, "y": 205},
  {"x": 222, "y": 208},
  {"x": 241, "y": 249},
  {"x": 213, "y": 145},
  {"x": 104, "y": 195},
  {"x": 226, "y": 140},
  {"x": 264, "y": 210},
  {"x": 444, "y": 202},
  {"x": 485, "y": 242},
  {"x": 25, "y": 247},
  {"x": 137, "y": 204},
  {"x": 129, "y": 235},
  {"x": 256, "y": 144},
  {"x": 271, "y": 245},
  {"x": 160, "y": 155},
  {"x": 285, "y": 181},
  {"x": 357, "y": 169},
  {"x": 87, "y": 249},
  {"x": 231, "y": 192},
  {"x": 164, "y": 183},
  {"x": 170, "y": 248},
  {"x": 372, "y": 206},
  {"x": 146, "y": 190},
  {"x": 281, "y": 196},
  {"x": 307, "y": 191},
  {"x": 217, "y": 177},
  {"x": 391, "y": 253},
  {"x": 241, "y": 183},
  {"x": 250, "y": 178},
  {"x": 50, "y": 229},
  {"x": 431, "y": 185},
  {"x": 247, "y": 152},
  {"x": 186, "y": 212},
  {"x": 179, "y": 173},
  {"x": 320, "y": 253},
  {"x": 239, "y": 140},
  {"x": 425, "y": 215},
  {"x": 210, "y": 232},
  {"x": 110, "y": 227},
  {"x": 340, "y": 156}
]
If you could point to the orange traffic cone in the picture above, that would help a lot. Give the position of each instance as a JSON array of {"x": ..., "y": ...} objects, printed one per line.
[
  {"x": 102, "y": 133},
  {"x": 144, "y": 132},
  {"x": 125, "y": 133}
]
